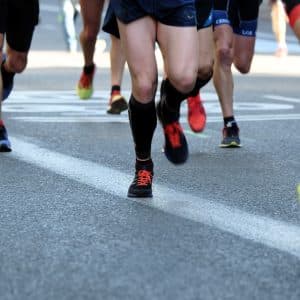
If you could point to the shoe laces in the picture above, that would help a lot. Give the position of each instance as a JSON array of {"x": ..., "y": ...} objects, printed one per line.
[
  {"x": 174, "y": 132},
  {"x": 144, "y": 177},
  {"x": 86, "y": 80}
]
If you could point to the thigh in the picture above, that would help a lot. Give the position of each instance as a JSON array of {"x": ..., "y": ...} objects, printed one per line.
[
  {"x": 206, "y": 50},
  {"x": 179, "y": 46},
  {"x": 138, "y": 41},
  {"x": 243, "y": 52},
  {"x": 22, "y": 17}
]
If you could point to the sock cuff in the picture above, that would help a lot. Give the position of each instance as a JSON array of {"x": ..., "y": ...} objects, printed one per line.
[
  {"x": 89, "y": 69},
  {"x": 146, "y": 162},
  {"x": 133, "y": 103}
]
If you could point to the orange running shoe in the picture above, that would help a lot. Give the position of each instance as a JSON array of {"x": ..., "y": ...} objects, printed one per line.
[
  {"x": 85, "y": 85},
  {"x": 176, "y": 147},
  {"x": 196, "y": 113}
]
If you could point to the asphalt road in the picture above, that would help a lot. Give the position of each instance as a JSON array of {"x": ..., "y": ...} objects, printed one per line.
[{"x": 226, "y": 225}]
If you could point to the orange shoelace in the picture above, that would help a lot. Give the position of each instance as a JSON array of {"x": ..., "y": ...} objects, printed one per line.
[
  {"x": 144, "y": 177},
  {"x": 173, "y": 131}
]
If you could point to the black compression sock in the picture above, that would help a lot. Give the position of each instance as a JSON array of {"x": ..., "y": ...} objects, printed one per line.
[
  {"x": 89, "y": 69},
  {"x": 199, "y": 84},
  {"x": 115, "y": 88},
  {"x": 148, "y": 164},
  {"x": 171, "y": 96},
  {"x": 7, "y": 77},
  {"x": 142, "y": 118}
]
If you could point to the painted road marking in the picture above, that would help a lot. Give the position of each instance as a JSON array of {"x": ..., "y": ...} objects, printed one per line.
[
  {"x": 65, "y": 107},
  {"x": 282, "y": 98},
  {"x": 100, "y": 118},
  {"x": 261, "y": 229}
]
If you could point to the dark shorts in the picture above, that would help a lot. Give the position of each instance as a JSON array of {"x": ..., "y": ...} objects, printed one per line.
[
  {"x": 18, "y": 19},
  {"x": 180, "y": 13},
  {"x": 290, "y": 4},
  {"x": 110, "y": 24},
  {"x": 204, "y": 10},
  {"x": 240, "y": 14}
]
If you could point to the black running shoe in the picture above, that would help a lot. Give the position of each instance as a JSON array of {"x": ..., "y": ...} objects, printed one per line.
[
  {"x": 4, "y": 141},
  {"x": 176, "y": 147},
  {"x": 117, "y": 104},
  {"x": 231, "y": 137},
  {"x": 141, "y": 186}
]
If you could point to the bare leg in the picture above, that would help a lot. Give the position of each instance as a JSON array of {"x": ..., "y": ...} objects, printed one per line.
[
  {"x": 117, "y": 61},
  {"x": 223, "y": 79},
  {"x": 91, "y": 11},
  {"x": 243, "y": 52},
  {"x": 138, "y": 39},
  {"x": 181, "y": 62},
  {"x": 279, "y": 17},
  {"x": 206, "y": 57},
  {"x": 117, "y": 102},
  {"x": 196, "y": 111},
  {"x": 16, "y": 61}
]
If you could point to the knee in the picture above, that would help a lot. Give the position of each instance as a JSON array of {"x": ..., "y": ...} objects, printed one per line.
[
  {"x": 144, "y": 89},
  {"x": 205, "y": 70},
  {"x": 17, "y": 63},
  {"x": 90, "y": 32},
  {"x": 183, "y": 82},
  {"x": 243, "y": 68},
  {"x": 224, "y": 55}
]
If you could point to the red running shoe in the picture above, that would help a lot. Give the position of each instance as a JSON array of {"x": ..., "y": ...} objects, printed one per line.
[{"x": 196, "y": 113}]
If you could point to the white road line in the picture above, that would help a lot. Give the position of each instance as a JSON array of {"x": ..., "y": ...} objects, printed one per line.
[
  {"x": 282, "y": 98},
  {"x": 124, "y": 119},
  {"x": 261, "y": 229}
]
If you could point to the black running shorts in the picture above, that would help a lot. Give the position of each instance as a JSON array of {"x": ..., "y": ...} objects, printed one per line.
[{"x": 18, "y": 19}]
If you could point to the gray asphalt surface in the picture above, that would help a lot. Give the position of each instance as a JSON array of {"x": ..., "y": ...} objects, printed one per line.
[{"x": 226, "y": 225}]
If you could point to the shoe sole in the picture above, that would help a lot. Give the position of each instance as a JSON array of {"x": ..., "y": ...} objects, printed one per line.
[
  {"x": 84, "y": 94},
  {"x": 144, "y": 195},
  {"x": 117, "y": 107},
  {"x": 5, "y": 148},
  {"x": 196, "y": 130},
  {"x": 231, "y": 145}
]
